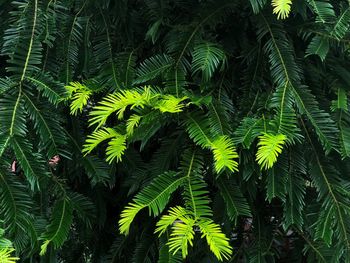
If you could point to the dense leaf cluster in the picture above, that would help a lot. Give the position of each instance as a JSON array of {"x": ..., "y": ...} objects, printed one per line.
[{"x": 174, "y": 131}]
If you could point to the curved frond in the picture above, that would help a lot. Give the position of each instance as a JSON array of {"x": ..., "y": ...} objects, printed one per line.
[
  {"x": 155, "y": 197},
  {"x": 323, "y": 9},
  {"x": 270, "y": 146},
  {"x": 57, "y": 231},
  {"x": 182, "y": 236},
  {"x": 98, "y": 137},
  {"x": 30, "y": 161},
  {"x": 224, "y": 154},
  {"x": 217, "y": 241},
  {"x": 117, "y": 103},
  {"x": 207, "y": 57},
  {"x": 153, "y": 67},
  {"x": 236, "y": 204},
  {"x": 281, "y": 8},
  {"x": 79, "y": 96}
]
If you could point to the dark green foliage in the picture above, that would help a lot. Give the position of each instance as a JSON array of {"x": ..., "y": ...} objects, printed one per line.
[{"x": 206, "y": 130}]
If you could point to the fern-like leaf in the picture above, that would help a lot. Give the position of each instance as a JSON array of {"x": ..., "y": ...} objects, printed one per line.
[
  {"x": 217, "y": 241},
  {"x": 98, "y": 137},
  {"x": 57, "y": 231},
  {"x": 31, "y": 162},
  {"x": 224, "y": 154},
  {"x": 155, "y": 197},
  {"x": 80, "y": 95},
  {"x": 182, "y": 236},
  {"x": 236, "y": 204},
  {"x": 207, "y": 57},
  {"x": 281, "y": 8},
  {"x": 270, "y": 146}
]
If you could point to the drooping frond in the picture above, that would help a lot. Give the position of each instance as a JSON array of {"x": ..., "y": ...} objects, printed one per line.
[
  {"x": 217, "y": 241},
  {"x": 22, "y": 43},
  {"x": 323, "y": 9},
  {"x": 236, "y": 204},
  {"x": 224, "y": 154},
  {"x": 276, "y": 179},
  {"x": 198, "y": 129},
  {"x": 284, "y": 69},
  {"x": 341, "y": 27},
  {"x": 207, "y": 57},
  {"x": 15, "y": 203},
  {"x": 155, "y": 197},
  {"x": 153, "y": 67},
  {"x": 324, "y": 126},
  {"x": 219, "y": 115},
  {"x": 98, "y": 137},
  {"x": 196, "y": 197},
  {"x": 132, "y": 123},
  {"x": 79, "y": 95},
  {"x": 30, "y": 161},
  {"x": 285, "y": 119},
  {"x": 248, "y": 131},
  {"x": 270, "y": 146},
  {"x": 281, "y": 8},
  {"x": 12, "y": 118},
  {"x": 57, "y": 231},
  {"x": 182, "y": 236},
  {"x": 296, "y": 189},
  {"x": 165, "y": 221},
  {"x": 47, "y": 125},
  {"x": 319, "y": 45},
  {"x": 340, "y": 107},
  {"x": 51, "y": 89},
  {"x": 195, "y": 189},
  {"x": 116, "y": 148},
  {"x": 117, "y": 103}
]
